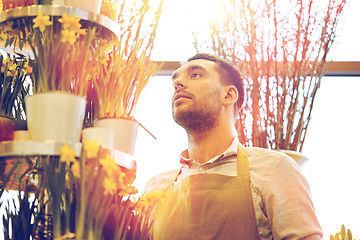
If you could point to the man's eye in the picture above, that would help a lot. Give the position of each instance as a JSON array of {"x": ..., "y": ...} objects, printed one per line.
[{"x": 195, "y": 75}]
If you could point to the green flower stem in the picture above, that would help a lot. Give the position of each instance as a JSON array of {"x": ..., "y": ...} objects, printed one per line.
[{"x": 80, "y": 227}]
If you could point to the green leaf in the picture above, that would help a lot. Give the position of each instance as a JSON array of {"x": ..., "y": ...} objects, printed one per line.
[{"x": 9, "y": 41}]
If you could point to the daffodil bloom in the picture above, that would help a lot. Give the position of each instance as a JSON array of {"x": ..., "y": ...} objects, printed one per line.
[
  {"x": 121, "y": 181},
  {"x": 150, "y": 199},
  {"x": 75, "y": 167},
  {"x": 104, "y": 58},
  {"x": 127, "y": 190},
  {"x": 91, "y": 148},
  {"x": 109, "y": 165},
  {"x": 71, "y": 23},
  {"x": 67, "y": 154},
  {"x": 82, "y": 32},
  {"x": 68, "y": 36},
  {"x": 41, "y": 21},
  {"x": 26, "y": 68},
  {"x": 109, "y": 186},
  {"x": 12, "y": 68}
]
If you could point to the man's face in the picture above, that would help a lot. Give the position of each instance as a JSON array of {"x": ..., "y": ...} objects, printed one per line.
[{"x": 196, "y": 102}]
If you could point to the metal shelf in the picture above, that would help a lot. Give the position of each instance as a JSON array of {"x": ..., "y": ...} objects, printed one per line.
[
  {"x": 57, "y": 10},
  {"x": 10, "y": 149}
]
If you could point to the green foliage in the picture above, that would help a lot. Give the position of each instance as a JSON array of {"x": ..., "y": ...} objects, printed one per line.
[
  {"x": 22, "y": 213},
  {"x": 13, "y": 87}
]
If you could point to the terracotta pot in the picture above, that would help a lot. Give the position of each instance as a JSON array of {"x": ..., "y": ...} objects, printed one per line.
[
  {"x": 55, "y": 116},
  {"x": 7, "y": 127},
  {"x": 125, "y": 132}
]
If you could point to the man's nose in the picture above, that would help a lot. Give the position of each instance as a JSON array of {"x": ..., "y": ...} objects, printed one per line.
[{"x": 178, "y": 85}]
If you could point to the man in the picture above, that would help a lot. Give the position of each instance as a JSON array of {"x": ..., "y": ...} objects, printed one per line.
[{"x": 224, "y": 190}]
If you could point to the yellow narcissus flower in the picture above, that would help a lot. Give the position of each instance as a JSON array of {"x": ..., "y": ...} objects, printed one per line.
[
  {"x": 149, "y": 199},
  {"x": 82, "y": 32},
  {"x": 71, "y": 23},
  {"x": 6, "y": 62},
  {"x": 109, "y": 165},
  {"x": 122, "y": 175},
  {"x": 91, "y": 148},
  {"x": 109, "y": 186},
  {"x": 12, "y": 68},
  {"x": 67, "y": 154},
  {"x": 75, "y": 167},
  {"x": 26, "y": 68},
  {"x": 41, "y": 21},
  {"x": 127, "y": 190},
  {"x": 104, "y": 58},
  {"x": 68, "y": 36}
]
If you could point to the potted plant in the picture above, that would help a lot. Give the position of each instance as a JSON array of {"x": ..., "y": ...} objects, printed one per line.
[
  {"x": 281, "y": 49},
  {"x": 13, "y": 89},
  {"x": 61, "y": 51},
  {"x": 120, "y": 80},
  {"x": 90, "y": 197},
  {"x": 123, "y": 68}
]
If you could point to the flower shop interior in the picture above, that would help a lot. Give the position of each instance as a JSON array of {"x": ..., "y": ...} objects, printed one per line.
[{"x": 171, "y": 32}]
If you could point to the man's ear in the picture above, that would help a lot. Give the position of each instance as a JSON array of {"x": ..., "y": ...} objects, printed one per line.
[{"x": 231, "y": 95}]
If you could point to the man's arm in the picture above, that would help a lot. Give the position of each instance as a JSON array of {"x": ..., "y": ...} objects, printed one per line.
[{"x": 288, "y": 202}]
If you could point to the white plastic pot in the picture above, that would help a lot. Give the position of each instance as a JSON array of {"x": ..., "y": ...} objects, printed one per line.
[{"x": 55, "y": 116}]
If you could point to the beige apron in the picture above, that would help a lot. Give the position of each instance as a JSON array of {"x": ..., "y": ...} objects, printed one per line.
[{"x": 209, "y": 206}]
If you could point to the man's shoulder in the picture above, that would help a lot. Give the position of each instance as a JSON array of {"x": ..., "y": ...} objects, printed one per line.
[
  {"x": 265, "y": 163},
  {"x": 160, "y": 181},
  {"x": 267, "y": 156}
]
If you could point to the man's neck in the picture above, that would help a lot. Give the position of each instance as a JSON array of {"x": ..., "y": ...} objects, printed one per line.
[{"x": 204, "y": 146}]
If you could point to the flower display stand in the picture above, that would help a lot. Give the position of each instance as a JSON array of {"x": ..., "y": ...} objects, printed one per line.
[
  {"x": 27, "y": 151},
  {"x": 106, "y": 26},
  {"x": 19, "y": 159}
]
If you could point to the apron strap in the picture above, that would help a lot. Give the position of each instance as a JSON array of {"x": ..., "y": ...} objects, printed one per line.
[{"x": 242, "y": 162}]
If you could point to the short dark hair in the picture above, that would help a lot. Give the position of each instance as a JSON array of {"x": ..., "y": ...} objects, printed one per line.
[{"x": 233, "y": 75}]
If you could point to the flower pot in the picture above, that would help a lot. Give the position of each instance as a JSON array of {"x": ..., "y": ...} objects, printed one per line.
[
  {"x": 125, "y": 132},
  {"x": 103, "y": 136},
  {"x": 55, "y": 116},
  {"x": 7, "y": 127},
  {"x": 89, "y": 5},
  {"x": 21, "y": 135}
]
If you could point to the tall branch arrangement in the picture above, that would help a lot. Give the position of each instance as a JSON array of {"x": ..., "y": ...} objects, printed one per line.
[{"x": 280, "y": 47}]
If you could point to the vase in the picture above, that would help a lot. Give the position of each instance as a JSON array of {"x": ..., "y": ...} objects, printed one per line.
[
  {"x": 125, "y": 132},
  {"x": 55, "y": 116},
  {"x": 103, "y": 136},
  {"x": 89, "y": 5},
  {"x": 7, "y": 127}
]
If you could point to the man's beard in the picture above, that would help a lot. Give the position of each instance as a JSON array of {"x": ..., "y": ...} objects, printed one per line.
[{"x": 196, "y": 119}]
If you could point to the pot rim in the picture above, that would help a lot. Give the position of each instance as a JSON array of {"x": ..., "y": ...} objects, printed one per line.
[
  {"x": 130, "y": 119},
  {"x": 55, "y": 91}
]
